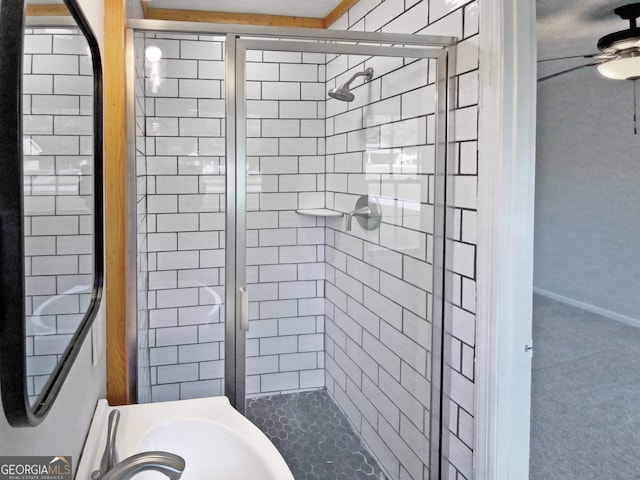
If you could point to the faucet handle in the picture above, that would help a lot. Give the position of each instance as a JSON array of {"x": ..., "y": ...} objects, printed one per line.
[{"x": 110, "y": 455}]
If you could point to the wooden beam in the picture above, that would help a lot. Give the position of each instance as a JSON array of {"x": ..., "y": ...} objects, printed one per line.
[
  {"x": 232, "y": 18},
  {"x": 337, "y": 12},
  {"x": 145, "y": 8},
  {"x": 53, "y": 10},
  {"x": 115, "y": 188}
]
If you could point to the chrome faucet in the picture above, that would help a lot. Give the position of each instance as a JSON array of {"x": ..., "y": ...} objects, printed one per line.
[
  {"x": 164, "y": 462},
  {"x": 110, "y": 469}
]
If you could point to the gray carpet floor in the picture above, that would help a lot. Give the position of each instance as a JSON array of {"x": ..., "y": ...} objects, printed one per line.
[{"x": 585, "y": 414}]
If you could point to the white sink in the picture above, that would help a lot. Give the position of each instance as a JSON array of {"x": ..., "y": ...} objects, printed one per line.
[{"x": 213, "y": 438}]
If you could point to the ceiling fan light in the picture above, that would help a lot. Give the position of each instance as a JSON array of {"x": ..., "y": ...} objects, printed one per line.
[{"x": 627, "y": 68}]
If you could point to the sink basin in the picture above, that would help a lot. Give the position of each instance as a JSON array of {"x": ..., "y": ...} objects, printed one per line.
[
  {"x": 208, "y": 447},
  {"x": 213, "y": 438}
]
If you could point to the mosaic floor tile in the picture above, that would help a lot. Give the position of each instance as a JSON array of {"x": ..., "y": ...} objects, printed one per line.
[{"x": 313, "y": 436}]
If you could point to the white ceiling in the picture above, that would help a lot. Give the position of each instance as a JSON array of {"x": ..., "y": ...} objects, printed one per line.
[{"x": 295, "y": 8}]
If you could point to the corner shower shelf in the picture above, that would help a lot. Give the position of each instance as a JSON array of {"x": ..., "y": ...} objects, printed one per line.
[{"x": 320, "y": 212}]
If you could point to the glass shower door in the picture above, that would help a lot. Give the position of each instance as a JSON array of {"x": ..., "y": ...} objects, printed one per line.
[{"x": 341, "y": 293}]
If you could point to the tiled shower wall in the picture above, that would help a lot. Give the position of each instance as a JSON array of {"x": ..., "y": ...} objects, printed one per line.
[
  {"x": 184, "y": 168},
  {"x": 285, "y": 250},
  {"x": 58, "y": 190},
  {"x": 436, "y": 17},
  {"x": 379, "y": 282}
]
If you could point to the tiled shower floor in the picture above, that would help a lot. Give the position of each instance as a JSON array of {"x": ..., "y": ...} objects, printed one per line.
[{"x": 313, "y": 436}]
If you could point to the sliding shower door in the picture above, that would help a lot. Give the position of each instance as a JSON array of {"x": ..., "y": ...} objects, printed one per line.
[{"x": 337, "y": 290}]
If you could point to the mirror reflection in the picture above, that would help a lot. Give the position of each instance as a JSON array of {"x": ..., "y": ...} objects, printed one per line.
[{"x": 58, "y": 156}]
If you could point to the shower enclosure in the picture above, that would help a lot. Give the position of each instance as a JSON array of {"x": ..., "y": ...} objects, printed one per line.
[{"x": 290, "y": 192}]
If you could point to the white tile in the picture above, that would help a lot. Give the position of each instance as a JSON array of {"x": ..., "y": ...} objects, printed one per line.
[
  {"x": 288, "y": 290},
  {"x": 312, "y": 91},
  {"x": 419, "y": 102},
  {"x": 465, "y": 191},
  {"x": 201, "y": 50},
  {"x": 177, "y": 184},
  {"x": 278, "y": 273},
  {"x": 173, "y": 68},
  {"x": 466, "y": 123},
  {"x": 467, "y": 55},
  {"x": 176, "y": 146},
  {"x": 199, "y": 88},
  {"x": 199, "y": 127},
  {"x": 278, "y": 57},
  {"x": 297, "y": 254},
  {"x": 177, "y": 260},
  {"x": 176, "y": 336},
  {"x": 297, "y": 183},
  {"x": 382, "y": 112},
  {"x": 37, "y": 85},
  {"x": 303, "y": 109},
  {"x": 197, "y": 240},
  {"x": 278, "y": 201},
  {"x": 281, "y": 128},
  {"x": 177, "y": 373},
  {"x": 404, "y": 133},
  {"x": 279, "y": 381},
  {"x": 159, "y": 242},
  {"x": 299, "y": 72},
  {"x": 177, "y": 222},
  {"x": 262, "y": 71},
  {"x": 262, "y": 146},
  {"x": 62, "y": 64},
  {"x": 411, "y": 21},
  {"x": 281, "y": 91},
  {"x": 176, "y": 107}
]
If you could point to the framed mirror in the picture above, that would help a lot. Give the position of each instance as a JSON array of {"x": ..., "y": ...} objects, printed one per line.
[{"x": 51, "y": 210}]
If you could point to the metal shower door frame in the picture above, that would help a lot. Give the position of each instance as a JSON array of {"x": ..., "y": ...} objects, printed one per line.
[{"x": 240, "y": 38}]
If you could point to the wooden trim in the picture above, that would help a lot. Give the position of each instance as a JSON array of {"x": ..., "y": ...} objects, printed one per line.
[
  {"x": 115, "y": 172},
  {"x": 232, "y": 18},
  {"x": 53, "y": 10},
  {"x": 145, "y": 8},
  {"x": 337, "y": 12}
]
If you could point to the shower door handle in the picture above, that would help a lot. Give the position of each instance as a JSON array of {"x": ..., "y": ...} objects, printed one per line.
[{"x": 244, "y": 309}]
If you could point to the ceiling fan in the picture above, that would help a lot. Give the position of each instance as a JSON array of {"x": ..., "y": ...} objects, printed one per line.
[{"x": 619, "y": 56}]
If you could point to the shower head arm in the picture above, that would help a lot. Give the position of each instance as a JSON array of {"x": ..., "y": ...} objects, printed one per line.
[{"x": 368, "y": 74}]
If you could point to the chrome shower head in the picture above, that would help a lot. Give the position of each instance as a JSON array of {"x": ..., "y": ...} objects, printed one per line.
[{"x": 342, "y": 92}]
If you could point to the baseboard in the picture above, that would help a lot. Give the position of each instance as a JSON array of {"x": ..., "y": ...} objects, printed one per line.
[{"x": 635, "y": 322}]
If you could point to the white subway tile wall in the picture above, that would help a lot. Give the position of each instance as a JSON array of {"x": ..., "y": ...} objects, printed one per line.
[
  {"x": 285, "y": 250},
  {"x": 379, "y": 285},
  {"x": 180, "y": 121},
  {"x": 369, "y": 159},
  {"x": 58, "y": 189}
]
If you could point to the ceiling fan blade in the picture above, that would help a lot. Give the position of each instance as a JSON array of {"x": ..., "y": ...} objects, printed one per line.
[
  {"x": 590, "y": 55},
  {"x": 565, "y": 58},
  {"x": 557, "y": 74}
]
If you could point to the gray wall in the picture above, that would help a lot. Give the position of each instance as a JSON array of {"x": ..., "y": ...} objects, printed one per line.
[
  {"x": 587, "y": 222},
  {"x": 64, "y": 430}
]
